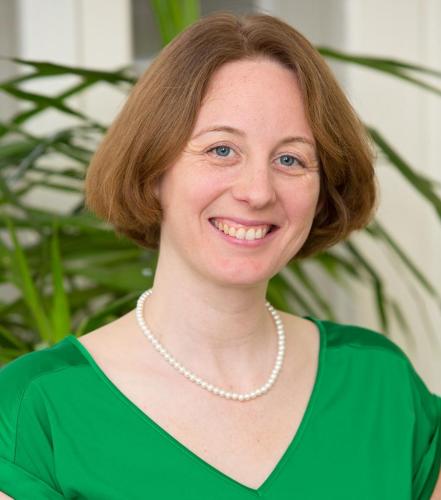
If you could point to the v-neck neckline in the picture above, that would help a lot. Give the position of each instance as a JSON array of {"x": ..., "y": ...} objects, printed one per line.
[{"x": 288, "y": 451}]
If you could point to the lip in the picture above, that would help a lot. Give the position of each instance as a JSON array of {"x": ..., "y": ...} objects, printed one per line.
[
  {"x": 245, "y": 222},
  {"x": 246, "y": 243}
]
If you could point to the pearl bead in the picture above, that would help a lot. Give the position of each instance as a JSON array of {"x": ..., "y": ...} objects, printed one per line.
[{"x": 199, "y": 381}]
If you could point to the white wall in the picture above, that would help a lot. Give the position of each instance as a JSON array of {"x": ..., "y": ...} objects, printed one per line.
[
  {"x": 88, "y": 33},
  {"x": 8, "y": 48}
]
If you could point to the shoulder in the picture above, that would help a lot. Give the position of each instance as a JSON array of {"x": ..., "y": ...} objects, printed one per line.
[
  {"x": 22, "y": 371},
  {"x": 18, "y": 377},
  {"x": 371, "y": 353},
  {"x": 18, "y": 386},
  {"x": 367, "y": 353},
  {"x": 342, "y": 335},
  {"x": 26, "y": 421},
  {"x": 348, "y": 340},
  {"x": 377, "y": 368}
]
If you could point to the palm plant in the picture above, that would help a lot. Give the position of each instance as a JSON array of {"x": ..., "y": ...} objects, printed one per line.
[{"x": 61, "y": 283}]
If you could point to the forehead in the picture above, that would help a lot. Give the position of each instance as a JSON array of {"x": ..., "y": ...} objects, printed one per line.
[{"x": 259, "y": 95}]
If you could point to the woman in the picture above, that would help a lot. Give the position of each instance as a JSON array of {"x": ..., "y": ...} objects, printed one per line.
[{"x": 235, "y": 153}]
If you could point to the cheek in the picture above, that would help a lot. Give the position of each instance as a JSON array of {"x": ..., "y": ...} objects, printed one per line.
[
  {"x": 189, "y": 197},
  {"x": 300, "y": 202},
  {"x": 202, "y": 191}
]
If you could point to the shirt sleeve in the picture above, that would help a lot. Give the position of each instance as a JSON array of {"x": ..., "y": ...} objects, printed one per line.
[
  {"x": 22, "y": 485},
  {"x": 426, "y": 437},
  {"x": 25, "y": 448}
]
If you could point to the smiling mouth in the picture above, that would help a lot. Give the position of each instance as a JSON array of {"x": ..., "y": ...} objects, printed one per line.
[{"x": 243, "y": 232}]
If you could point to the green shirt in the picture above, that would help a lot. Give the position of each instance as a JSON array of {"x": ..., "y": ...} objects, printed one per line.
[{"x": 371, "y": 430}]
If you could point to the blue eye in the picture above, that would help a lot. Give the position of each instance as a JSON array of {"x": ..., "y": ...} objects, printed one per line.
[
  {"x": 221, "y": 150},
  {"x": 290, "y": 160}
]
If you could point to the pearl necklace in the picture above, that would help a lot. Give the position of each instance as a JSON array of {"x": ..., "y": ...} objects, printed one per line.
[{"x": 202, "y": 383}]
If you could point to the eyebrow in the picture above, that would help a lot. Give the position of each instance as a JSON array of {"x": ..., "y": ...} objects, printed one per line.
[{"x": 241, "y": 133}]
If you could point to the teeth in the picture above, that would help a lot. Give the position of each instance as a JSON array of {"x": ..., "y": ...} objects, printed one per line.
[{"x": 242, "y": 233}]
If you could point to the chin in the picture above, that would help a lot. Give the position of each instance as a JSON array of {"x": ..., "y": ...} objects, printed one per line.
[{"x": 248, "y": 278}]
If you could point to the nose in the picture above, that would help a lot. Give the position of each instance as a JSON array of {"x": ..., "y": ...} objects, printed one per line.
[{"x": 254, "y": 184}]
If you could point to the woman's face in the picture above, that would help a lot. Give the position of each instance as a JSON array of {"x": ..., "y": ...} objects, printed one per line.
[{"x": 250, "y": 162}]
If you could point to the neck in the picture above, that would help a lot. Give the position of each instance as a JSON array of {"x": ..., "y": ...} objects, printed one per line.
[{"x": 224, "y": 334}]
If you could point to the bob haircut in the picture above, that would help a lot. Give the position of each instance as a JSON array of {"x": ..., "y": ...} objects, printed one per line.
[{"x": 157, "y": 120}]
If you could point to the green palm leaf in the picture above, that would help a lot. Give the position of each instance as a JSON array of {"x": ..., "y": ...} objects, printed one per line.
[
  {"x": 388, "y": 66},
  {"x": 22, "y": 277},
  {"x": 60, "y": 311}
]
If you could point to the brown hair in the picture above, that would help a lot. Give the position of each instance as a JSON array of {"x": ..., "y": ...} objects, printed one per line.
[{"x": 157, "y": 120}]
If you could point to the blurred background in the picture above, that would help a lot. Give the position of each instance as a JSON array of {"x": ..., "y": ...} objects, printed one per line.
[{"x": 62, "y": 271}]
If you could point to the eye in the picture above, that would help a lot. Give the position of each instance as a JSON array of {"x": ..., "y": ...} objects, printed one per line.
[
  {"x": 291, "y": 161},
  {"x": 221, "y": 151}
]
